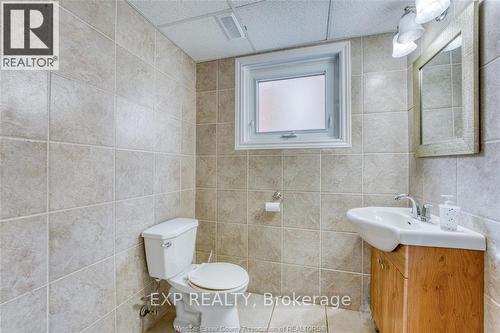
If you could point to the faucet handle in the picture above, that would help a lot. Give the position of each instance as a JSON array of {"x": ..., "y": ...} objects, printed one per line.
[{"x": 426, "y": 212}]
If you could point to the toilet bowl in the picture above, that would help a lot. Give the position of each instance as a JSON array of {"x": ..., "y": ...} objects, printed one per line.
[
  {"x": 205, "y": 295},
  {"x": 213, "y": 291}
]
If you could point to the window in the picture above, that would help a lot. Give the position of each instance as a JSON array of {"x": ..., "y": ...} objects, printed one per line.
[
  {"x": 294, "y": 99},
  {"x": 282, "y": 103}
]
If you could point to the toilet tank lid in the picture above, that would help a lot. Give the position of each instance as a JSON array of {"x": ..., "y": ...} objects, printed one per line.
[{"x": 170, "y": 229}]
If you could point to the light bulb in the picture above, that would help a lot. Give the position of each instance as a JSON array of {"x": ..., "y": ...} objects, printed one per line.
[
  {"x": 400, "y": 50},
  {"x": 409, "y": 30},
  {"x": 428, "y": 10}
]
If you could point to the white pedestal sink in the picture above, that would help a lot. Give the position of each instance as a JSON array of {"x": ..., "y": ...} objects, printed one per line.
[{"x": 387, "y": 227}]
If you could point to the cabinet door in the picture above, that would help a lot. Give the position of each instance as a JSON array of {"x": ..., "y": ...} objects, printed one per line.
[
  {"x": 387, "y": 295},
  {"x": 394, "y": 305}
]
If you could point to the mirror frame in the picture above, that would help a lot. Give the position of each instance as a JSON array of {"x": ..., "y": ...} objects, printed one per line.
[{"x": 467, "y": 25}]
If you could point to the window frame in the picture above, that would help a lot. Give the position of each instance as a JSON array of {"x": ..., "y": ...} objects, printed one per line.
[{"x": 328, "y": 59}]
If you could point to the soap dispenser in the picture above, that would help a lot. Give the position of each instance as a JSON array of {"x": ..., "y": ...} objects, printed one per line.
[{"x": 449, "y": 214}]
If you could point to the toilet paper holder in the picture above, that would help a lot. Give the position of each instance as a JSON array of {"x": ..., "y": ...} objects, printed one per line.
[{"x": 274, "y": 206}]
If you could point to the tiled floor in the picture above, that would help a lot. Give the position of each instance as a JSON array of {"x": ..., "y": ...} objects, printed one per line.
[{"x": 278, "y": 317}]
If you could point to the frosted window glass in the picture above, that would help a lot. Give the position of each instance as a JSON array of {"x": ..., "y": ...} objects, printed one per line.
[{"x": 292, "y": 104}]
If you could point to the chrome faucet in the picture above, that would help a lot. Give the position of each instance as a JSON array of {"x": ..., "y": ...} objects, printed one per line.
[{"x": 421, "y": 213}]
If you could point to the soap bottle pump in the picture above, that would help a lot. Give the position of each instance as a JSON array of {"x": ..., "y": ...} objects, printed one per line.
[{"x": 449, "y": 214}]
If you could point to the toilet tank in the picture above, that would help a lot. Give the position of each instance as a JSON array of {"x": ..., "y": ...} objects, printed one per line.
[{"x": 170, "y": 247}]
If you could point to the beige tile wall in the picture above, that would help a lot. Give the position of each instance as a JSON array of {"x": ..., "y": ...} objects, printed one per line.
[
  {"x": 309, "y": 248},
  {"x": 91, "y": 155},
  {"x": 473, "y": 180}
]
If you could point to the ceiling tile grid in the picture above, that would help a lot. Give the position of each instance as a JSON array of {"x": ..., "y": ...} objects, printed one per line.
[{"x": 269, "y": 24}]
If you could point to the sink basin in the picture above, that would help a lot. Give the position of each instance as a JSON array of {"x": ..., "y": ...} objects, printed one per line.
[{"x": 387, "y": 227}]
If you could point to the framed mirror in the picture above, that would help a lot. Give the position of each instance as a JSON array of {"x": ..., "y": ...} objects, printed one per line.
[{"x": 445, "y": 90}]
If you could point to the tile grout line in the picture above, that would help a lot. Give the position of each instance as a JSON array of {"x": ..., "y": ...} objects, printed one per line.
[
  {"x": 87, "y": 23},
  {"x": 107, "y": 147},
  {"x": 182, "y": 122},
  {"x": 457, "y": 159},
  {"x": 282, "y": 222},
  {"x": 82, "y": 82},
  {"x": 49, "y": 92},
  {"x": 299, "y": 154},
  {"x": 26, "y": 293},
  {"x": 79, "y": 270},
  {"x": 486, "y": 64},
  {"x": 62, "y": 210},
  {"x": 247, "y": 166},
  {"x": 153, "y": 174},
  {"x": 326, "y": 319},
  {"x": 362, "y": 156},
  {"x": 272, "y": 315},
  {"x": 320, "y": 261},
  {"x": 217, "y": 245},
  {"x": 246, "y": 213},
  {"x": 288, "y": 264},
  {"x": 115, "y": 112},
  {"x": 379, "y": 194}
]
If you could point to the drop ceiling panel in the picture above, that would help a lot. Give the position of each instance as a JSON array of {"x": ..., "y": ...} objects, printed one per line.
[
  {"x": 362, "y": 17},
  {"x": 203, "y": 40},
  {"x": 167, "y": 11},
  {"x": 278, "y": 24},
  {"x": 270, "y": 24}
]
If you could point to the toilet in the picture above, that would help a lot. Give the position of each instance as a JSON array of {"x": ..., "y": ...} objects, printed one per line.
[{"x": 205, "y": 295}]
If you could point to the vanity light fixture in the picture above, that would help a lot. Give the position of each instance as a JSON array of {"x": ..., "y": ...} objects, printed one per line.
[
  {"x": 410, "y": 25},
  {"x": 427, "y": 10},
  {"x": 402, "y": 49},
  {"x": 409, "y": 30}
]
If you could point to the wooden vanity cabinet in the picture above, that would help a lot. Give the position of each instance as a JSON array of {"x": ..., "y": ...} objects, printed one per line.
[{"x": 417, "y": 289}]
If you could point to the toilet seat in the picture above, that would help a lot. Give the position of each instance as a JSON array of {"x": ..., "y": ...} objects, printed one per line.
[{"x": 218, "y": 277}]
